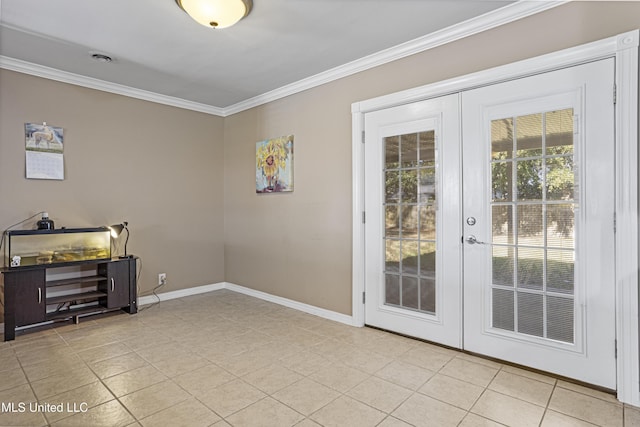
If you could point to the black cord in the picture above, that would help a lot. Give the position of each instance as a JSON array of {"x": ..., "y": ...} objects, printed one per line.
[
  {"x": 138, "y": 277},
  {"x": 4, "y": 233},
  {"x": 153, "y": 291},
  {"x": 138, "y": 287}
]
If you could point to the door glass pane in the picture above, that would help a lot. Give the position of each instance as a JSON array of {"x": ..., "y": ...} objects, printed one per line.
[
  {"x": 392, "y": 221},
  {"x": 408, "y": 150},
  {"x": 503, "y": 309},
  {"x": 409, "y": 257},
  {"x": 529, "y": 176},
  {"x": 410, "y": 207},
  {"x": 502, "y": 181},
  {"x": 428, "y": 223},
  {"x": 427, "y": 147},
  {"x": 560, "y": 271},
  {"x": 529, "y": 271},
  {"x": 409, "y": 221},
  {"x": 427, "y": 185},
  {"x": 533, "y": 233},
  {"x": 560, "y": 226},
  {"x": 502, "y": 224},
  {"x": 392, "y": 289},
  {"x": 560, "y": 178},
  {"x": 392, "y": 186},
  {"x": 410, "y": 294},
  {"x": 409, "y": 186},
  {"x": 529, "y": 131},
  {"x": 502, "y": 139},
  {"x": 428, "y": 295},
  {"x": 530, "y": 229},
  {"x": 392, "y": 256},
  {"x": 530, "y": 314},
  {"x": 560, "y": 318},
  {"x": 503, "y": 262},
  {"x": 392, "y": 152},
  {"x": 428, "y": 260},
  {"x": 559, "y": 131}
]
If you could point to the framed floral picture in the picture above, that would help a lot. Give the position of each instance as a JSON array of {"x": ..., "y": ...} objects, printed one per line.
[{"x": 274, "y": 165}]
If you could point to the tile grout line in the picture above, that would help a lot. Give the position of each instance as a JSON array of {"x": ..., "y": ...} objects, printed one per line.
[
  {"x": 100, "y": 380},
  {"x": 172, "y": 381},
  {"x": 29, "y": 383},
  {"x": 546, "y": 408}
]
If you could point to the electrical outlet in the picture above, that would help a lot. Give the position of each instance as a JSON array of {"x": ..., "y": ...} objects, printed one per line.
[{"x": 162, "y": 279}]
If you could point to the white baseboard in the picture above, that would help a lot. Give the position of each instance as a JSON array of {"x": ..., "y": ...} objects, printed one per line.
[
  {"x": 305, "y": 308},
  {"x": 165, "y": 296}
]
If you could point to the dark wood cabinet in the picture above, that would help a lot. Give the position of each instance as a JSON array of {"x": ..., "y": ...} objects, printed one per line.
[
  {"x": 117, "y": 282},
  {"x": 29, "y": 298},
  {"x": 25, "y": 297}
]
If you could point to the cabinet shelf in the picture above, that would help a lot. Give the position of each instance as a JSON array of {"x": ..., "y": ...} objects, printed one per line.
[
  {"x": 81, "y": 296},
  {"x": 82, "y": 281},
  {"x": 65, "y": 314}
]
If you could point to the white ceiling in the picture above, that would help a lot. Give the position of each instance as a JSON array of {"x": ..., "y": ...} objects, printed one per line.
[{"x": 156, "y": 47}]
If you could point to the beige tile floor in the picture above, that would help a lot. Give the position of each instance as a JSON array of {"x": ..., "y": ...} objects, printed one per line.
[{"x": 223, "y": 358}]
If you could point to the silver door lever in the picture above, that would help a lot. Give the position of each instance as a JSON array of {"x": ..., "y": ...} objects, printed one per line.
[{"x": 473, "y": 241}]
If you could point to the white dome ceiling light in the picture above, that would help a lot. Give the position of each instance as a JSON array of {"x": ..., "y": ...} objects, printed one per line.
[{"x": 216, "y": 13}]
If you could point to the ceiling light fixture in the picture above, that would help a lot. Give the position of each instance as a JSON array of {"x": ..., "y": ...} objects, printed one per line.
[{"x": 216, "y": 13}]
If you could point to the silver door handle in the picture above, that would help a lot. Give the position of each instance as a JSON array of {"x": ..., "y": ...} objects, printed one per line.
[
  {"x": 112, "y": 284},
  {"x": 39, "y": 295},
  {"x": 473, "y": 241}
]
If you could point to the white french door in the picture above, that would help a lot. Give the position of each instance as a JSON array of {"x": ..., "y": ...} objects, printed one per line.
[
  {"x": 539, "y": 284},
  {"x": 499, "y": 240},
  {"x": 412, "y": 236}
]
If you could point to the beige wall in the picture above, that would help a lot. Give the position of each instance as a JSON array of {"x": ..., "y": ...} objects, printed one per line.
[
  {"x": 298, "y": 245},
  {"x": 295, "y": 245},
  {"x": 158, "y": 167}
]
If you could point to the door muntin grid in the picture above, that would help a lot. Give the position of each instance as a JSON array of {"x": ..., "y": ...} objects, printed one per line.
[
  {"x": 533, "y": 210},
  {"x": 410, "y": 187}
]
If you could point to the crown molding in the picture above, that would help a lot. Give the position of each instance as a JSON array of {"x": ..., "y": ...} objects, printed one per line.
[
  {"x": 487, "y": 21},
  {"x": 102, "y": 85},
  {"x": 540, "y": 64}
]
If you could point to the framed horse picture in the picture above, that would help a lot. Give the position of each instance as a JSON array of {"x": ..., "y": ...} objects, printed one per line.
[{"x": 44, "y": 147}]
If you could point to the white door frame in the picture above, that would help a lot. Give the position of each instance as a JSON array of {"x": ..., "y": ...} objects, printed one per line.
[{"x": 624, "y": 47}]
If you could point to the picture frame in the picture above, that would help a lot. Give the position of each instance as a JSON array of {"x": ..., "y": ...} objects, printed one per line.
[{"x": 274, "y": 165}]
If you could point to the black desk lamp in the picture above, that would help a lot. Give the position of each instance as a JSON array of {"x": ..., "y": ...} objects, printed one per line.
[{"x": 116, "y": 230}]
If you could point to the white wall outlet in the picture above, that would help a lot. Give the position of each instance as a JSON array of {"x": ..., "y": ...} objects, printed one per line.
[{"x": 162, "y": 279}]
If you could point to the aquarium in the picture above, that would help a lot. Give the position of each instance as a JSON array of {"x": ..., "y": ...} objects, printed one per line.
[{"x": 41, "y": 247}]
